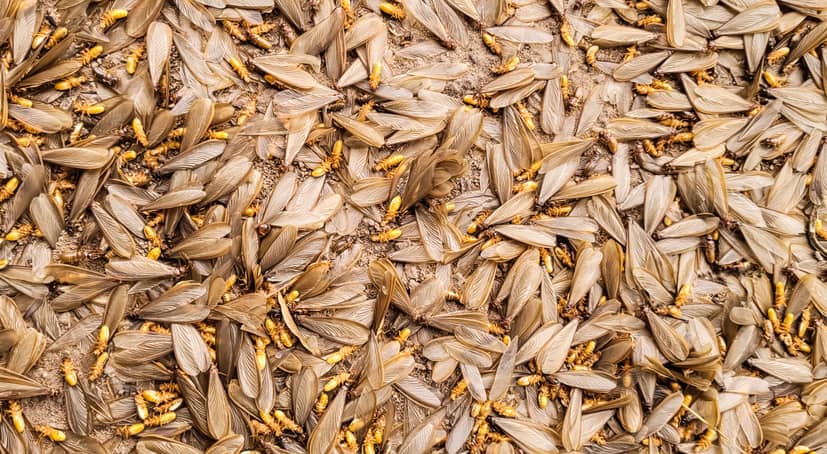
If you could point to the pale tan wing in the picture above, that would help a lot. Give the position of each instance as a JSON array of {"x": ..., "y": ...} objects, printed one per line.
[
  {"x": 218, "y": 406},
  {"x": 116, "y": 234},
  {"x": 159, "y": 45},
  {"x": 47, "y": 217},
  {"x": 553, "y": 354},
  {"x": 426, "y": 16},
  {"x": 586, "y": 273},
  {"x": 573, "y": 421},
  {"x": 505, "y": 372},
  {"x": 324, "y": 434},
  {"x": 760, "y": 17},
  {"x": 315, "y": 40},
  {"x": 25, "y": 23},
  {"x": 660, "y": 415},
  {"x": 533, "y": 437},
  {"x": 17, "y": 386},
  {"x": 191, "y": 352}
]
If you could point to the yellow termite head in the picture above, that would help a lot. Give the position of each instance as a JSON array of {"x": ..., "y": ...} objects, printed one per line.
[
  {"x": 131, "y": 430},
  {"x": 386, "y": 236},
  {"x": 375, "y": 75}
]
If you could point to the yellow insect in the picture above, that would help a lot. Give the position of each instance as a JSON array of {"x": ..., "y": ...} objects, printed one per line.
[
  {"x": 286, "y": 422},
  {"x": 102, "y": 339},
  {"x": 650, "y": 148},
  {"x": 777, "y": 55},
  {"x": 110, "y": 17},
  {"x": 801, "y": 449},
  {"x": 70, "y": 83},
  {"x": 51, "y": 433},
  {"x": 480, "y": 101},
  {"x": 566, "y": 33},
  {"x": 545, "y": 259},
  {"x": 16, "y": 413},
  {"x": 88, "y": 108},
  {"x": 673, "y": 122},
  {"x": 160, "y": 420},
  {"x": 780, "y": 295},
  {"x": 140, "y": 133},
  {"x": 478, "y": 223},
  {"x": 631, "y": 52},
  {"x": 703, "y": 77},
  {"x": 261, "y": 352},
  {"x": 141, "y": 406},
  {"x": 76, "y": 133},
  {"x": 402, "y": 336},
  {"x": 278, "y": 333},
  {"x": 336, "y": 381},
  {"x": 386, "y": 236},
  {"x": 350, "y": 15},
  {"x": 644, "y": 89},
  {"x": 506, "y": 66},
  {"x": 234, "y": 30},
  {"x": 151, "y": 235},
  {"x": 340, "y": 355},
  {"x": 321, "y": 403},
  {"x": 564, "y": 87},
  {"x": 662, "y": 85},
  {"x": 271, "y": 422},
  {"x": 41, "y": 35},
  {"x": 350, "y": 440},
  {"x": 19, "y": 100},
  {"x": 170, "y": 387},
  {"x": 369, "y": 443},
  {"x": 528, "y": 119},
  {"x": 8, "y": 188},
  {"x": 259, "y": 41},
  {"x": 529, "y": 380},
  {"x": 247, "y": 111},
  {"x": 291, "y": 296},
  {"x": 392, "y": 9},
  {"x": 563, "y": 255},
  {"x": 683, "y": 295},
  {"x": 393, "y": 209},
  {"x": 649, "y": 20},
  {"x": 491, "y": 43},
  {"x": 591, "y": 55},
  {"x": 239, "y": 68},
  {"x": 388, "y": 163},
  {"x": 333, "y": 161},
  {"x": 682, "y": 137},
  {"x": 375, "y": 75},
  {"x": 218, "y": 135},
  {"x": 527, "y": 186},
  {"x": 262, "y": 28},
  {"x": 535, "y": 167},
  {"x": 497, "y": 329},
  {"x": 773, "y": 80},
  {"x": 97, "y": 367},
  {"x": 131, "y": 430},
  {"x": 170, "y": 406},
  {"x": 364, "y": 110},
  {"x": 133, "y": 58},
  {"x": 21, "y": 232},
  {"x": 57, "y": 35},
  {"x": 818, "y": 227},
  {"x": 70, "y": 375},
  {"x": 90, "y": 54},
  {"x": 459, "y": 389},
  {"x": 159, "y": 396}
]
